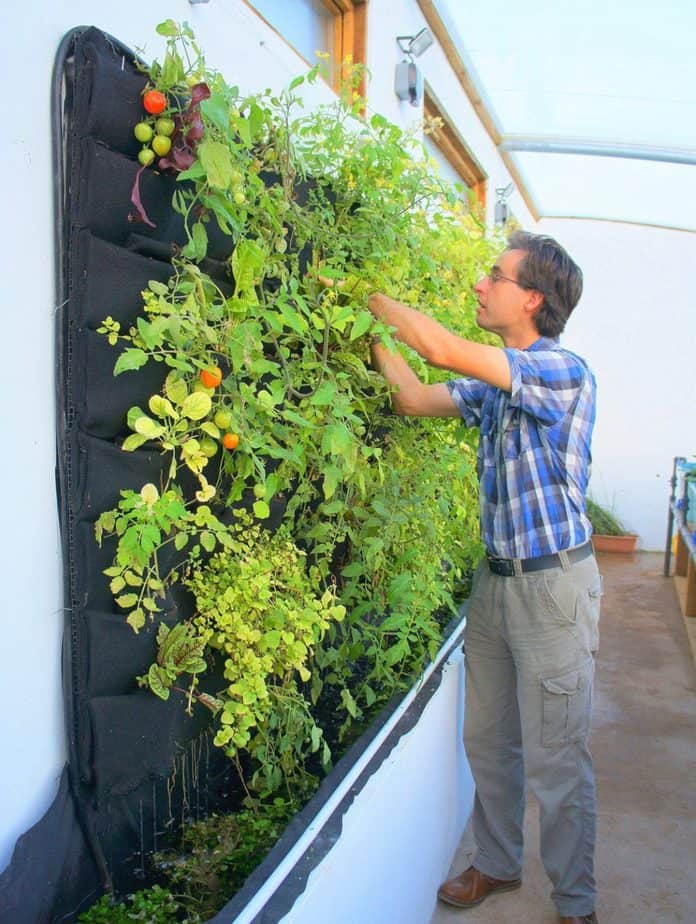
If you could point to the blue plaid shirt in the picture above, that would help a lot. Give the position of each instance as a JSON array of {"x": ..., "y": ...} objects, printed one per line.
[{"x": 534, "y": 450}]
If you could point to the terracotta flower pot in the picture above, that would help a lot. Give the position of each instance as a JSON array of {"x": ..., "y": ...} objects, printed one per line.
[{"x": 626, "y": 543}]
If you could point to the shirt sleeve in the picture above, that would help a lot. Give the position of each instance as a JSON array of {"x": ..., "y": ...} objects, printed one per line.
[
  {"x": 468, "y": 395},
  {"x": 546, "y": 383}
]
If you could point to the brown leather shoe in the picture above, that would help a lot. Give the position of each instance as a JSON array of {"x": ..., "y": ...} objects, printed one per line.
[
  {"x": 471, "y": 887},
  {"x": 584, "y": 919}
]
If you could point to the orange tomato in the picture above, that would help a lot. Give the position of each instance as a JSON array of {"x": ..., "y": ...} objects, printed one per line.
[
  {"x": 154, "y": 102},
  {"x": 230, "y": 440},
  {"x": 211, "y": 377}
]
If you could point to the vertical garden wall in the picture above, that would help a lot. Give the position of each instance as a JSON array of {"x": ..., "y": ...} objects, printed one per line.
[{"x": 258, "y": 554}]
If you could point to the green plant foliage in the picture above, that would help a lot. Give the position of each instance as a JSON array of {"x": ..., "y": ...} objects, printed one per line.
[
  {"x": 150, "y": 906},
  {"x": 216, "y": 855},
  {"x": 603, "y": 521},
  {"x": 380, "y": 514}
]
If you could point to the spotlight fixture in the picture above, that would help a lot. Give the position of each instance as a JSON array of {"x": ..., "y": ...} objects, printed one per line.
[
  {"x": 415, "y": 45},
  {"x": 502, "y": 209},
  {"x": 408, "y": 80}
]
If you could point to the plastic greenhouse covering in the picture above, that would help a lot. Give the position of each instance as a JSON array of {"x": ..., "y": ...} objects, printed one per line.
[{"x": 593, "y": 103}]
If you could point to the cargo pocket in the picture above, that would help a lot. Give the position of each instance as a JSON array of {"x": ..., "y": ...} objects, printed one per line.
[{"x": 567, "y": 705}]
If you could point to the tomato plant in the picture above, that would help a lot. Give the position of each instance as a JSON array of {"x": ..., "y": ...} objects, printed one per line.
[{"x": 384, "y": 509}]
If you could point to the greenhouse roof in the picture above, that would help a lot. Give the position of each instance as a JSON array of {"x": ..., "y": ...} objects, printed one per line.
[{"x": 591, "y": 104}]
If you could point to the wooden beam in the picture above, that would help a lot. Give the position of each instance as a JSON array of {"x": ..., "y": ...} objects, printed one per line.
[{"x": 437, "y": 27}]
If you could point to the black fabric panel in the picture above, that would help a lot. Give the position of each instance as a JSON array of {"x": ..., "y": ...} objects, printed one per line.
[
  {"x": 104, "y": 183},
  {"x": 109, "y": 281},
  {"x": 136, "y": 737},
  {"x": 51, "y": 866},
  {"x": 109, "y": 637},
  {"x": 103, "y": 470},
  {"x": 104, "y": 399},
  {"x": 108, "y": 102}
]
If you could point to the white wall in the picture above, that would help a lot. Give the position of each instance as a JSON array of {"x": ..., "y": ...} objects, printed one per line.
[
  {"x": 403, "y": 827},
  {"x": 636, "y": 326}
]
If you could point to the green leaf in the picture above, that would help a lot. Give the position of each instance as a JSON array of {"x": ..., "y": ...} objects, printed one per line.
[
  {"x": 130, "y": 360},
  {"x": 117, "y": 585},
  {"x": 211, "y": 429},
  {"x": 175, "y": 388},
  {"x": 194, "y": 172},
  {"x": 332, "y": 478},
  {"x": 325, "y": 394},
  {"x": 247, "y": 260},
  {"x": 337, "y": 440},
  {"x": 261, "y": 510},
  {"x": 125, "y": 601},
  {"x": 180, "y": 541},
  {"x": 133, "y": 442},
  {"x": 292, "y": 319},
  {"x": 217, "y": 110},
  {"x": 197, "y": 246},
  {"x": 159, "y": 288},
  {"x": 361, "y": 325},
  {"x": 196, "y": 406},
  {"x": 136, "y": 620},
  {"x": 349, "y": 703},
  {"x": 207, "y": 540},
  {"x": 158, "y": 681},
  {"x": 168, "y": 28},
  {"x": 162, "y": 407},
  {"x": 217, "y": 163},
  {"x": 148, "y": 427}
]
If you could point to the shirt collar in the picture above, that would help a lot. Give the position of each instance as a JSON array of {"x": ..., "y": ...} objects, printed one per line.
[{"x": 544, "y": 343}]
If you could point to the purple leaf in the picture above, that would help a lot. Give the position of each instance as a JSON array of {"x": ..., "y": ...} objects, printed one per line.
[
  {"x": 137, "y": 201},
  {"x": 198, "y": 92}
]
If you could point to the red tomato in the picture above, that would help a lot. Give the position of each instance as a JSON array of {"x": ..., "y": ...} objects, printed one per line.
[{"x": 154, "y": 102}]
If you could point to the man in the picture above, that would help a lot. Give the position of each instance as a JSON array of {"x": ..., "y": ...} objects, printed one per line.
[{"x": 532, "y": 622}]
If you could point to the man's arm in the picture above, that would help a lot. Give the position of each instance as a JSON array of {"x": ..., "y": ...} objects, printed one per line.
[
  {"x": 440, "y": 347},
  {"x": 412, "y": 397}
]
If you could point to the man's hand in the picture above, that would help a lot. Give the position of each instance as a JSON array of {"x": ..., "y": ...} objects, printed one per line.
[{"x": 439, "y": 346}]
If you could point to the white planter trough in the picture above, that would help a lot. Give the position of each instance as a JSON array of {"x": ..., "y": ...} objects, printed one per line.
[{"x": 377, "y": 839}]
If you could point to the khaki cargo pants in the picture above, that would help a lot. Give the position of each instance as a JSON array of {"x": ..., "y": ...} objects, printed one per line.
[{"x": 529, "y": 646}]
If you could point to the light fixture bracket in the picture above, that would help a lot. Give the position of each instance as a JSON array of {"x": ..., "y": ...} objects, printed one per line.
[{"x": 415, "y": 45}]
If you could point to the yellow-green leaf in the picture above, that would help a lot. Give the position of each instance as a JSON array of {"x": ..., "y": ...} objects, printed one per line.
[{"x": 196, "y": 406}]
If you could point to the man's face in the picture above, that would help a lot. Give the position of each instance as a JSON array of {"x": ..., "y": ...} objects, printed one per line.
[{"x": 501, "y": 300}]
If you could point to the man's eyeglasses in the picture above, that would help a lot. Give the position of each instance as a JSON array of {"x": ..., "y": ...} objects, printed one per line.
[{"x": 496, "y": 276}]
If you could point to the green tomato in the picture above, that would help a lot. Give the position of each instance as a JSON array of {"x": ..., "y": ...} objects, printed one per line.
[
  {"x": 209, "y": 446},
  {"x": 223, "y": 419},
  {"x": 161, "y": 145},
  {"x": 239, "y": 197},
  {"x": 143, "y": 132},
  {"x": 146, "y": 156},
  {"x": 260, "y": 491},
  {"x": 165, "y": 127}
]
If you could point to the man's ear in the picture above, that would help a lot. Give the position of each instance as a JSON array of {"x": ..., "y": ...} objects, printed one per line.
[{"x": 534, "y": 302}]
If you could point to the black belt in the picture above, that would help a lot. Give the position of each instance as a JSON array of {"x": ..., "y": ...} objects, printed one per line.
[{"x": 506, "y": 566}]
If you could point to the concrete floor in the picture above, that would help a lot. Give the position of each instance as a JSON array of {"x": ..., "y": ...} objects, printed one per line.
[{"x": 644, "y": 748}]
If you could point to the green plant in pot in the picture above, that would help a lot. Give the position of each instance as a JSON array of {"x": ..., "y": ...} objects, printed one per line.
[{"x": 608, "y": 532}]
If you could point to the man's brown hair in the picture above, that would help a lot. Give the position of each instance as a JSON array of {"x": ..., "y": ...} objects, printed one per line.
[{"x": 547, "y": 268}]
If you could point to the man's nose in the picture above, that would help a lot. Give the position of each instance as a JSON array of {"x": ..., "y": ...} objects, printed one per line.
[{"x": 480, "y": 285}]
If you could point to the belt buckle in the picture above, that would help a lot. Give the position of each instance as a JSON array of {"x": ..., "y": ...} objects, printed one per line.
[{"x": 501, "y": 566}]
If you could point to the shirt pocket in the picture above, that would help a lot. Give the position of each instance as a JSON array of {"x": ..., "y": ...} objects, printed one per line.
[{"x": 567, "y": 706}]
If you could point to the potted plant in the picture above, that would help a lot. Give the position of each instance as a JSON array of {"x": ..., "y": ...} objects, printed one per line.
[{"x": 608, "y": 532}]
